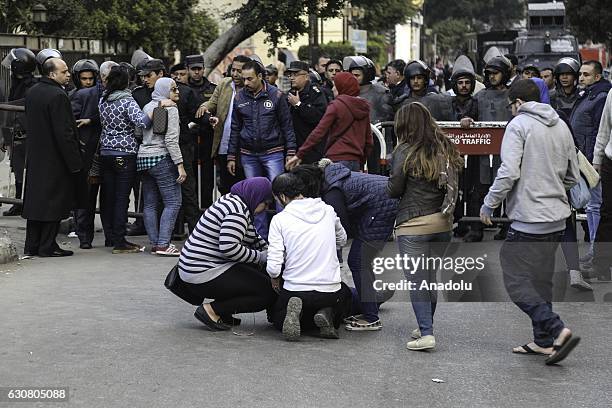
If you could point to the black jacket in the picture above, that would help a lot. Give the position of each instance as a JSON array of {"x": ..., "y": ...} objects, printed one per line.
[
  {"x": 418, "y": 197},
  {"x": 55, "y": 182},
  {"x": 203, "y": 92},
  {"x": 85, "y": 106},
  {"x": 306, "y": 117}
]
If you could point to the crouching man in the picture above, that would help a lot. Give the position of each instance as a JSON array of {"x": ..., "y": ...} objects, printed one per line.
[{"x": 304, "y": 237}]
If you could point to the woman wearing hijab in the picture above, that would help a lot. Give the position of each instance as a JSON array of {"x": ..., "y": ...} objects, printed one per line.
[
  {"x": 160, "y": 160},
  {"x": 221, "y": 258},
  {"x": 346, "y": 124}
]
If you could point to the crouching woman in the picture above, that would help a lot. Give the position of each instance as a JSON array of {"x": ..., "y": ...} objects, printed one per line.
[
  {"x": 304, "y": 237},
  {"x": 222, "y": 257}
]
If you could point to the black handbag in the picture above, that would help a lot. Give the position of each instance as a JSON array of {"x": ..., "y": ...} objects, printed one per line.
[
  {"x": 160, "y": 120},
  {"x": 176, "y": 285}
]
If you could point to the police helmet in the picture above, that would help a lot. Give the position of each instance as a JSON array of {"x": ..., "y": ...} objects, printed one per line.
[
  {"x": 45, "y": 54},
  {"x": 567, "y": 65},
  {"x": 499, "y": 64},
  {"x": 20, "y": 61},
  {"x": 82, "y": 66},
  {"x": 360, "y": 62},
  {"x": 416, "y": 67}
]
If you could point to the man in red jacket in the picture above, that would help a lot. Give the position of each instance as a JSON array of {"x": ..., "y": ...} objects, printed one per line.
[{"x": 346, "y": 124}]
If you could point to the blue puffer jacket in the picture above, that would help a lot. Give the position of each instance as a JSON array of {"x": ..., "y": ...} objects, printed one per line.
[
  {"x": 587, "y": 114},
  {"x": 262, "y": 123},
  {"x": 369, "y": 206}
]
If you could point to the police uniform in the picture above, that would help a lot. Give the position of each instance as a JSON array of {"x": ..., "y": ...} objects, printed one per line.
[{"x": 306, "y": 117}]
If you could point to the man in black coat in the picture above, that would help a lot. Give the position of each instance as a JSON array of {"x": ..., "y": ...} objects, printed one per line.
[
  {"x": 307, "y": 103},
  {"x": 55, "y": 183}
]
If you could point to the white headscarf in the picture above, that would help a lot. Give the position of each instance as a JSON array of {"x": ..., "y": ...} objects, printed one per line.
[{"x": 162, "y": 89}]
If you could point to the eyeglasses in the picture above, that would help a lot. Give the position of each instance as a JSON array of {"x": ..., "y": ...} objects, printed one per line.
[
  {"x": 296, "y": 74},
  {"x": 511, "y": 103}
]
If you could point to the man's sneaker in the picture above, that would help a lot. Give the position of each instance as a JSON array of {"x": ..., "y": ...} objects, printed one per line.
[
  {"x": 291, "y": 325},
  {"x": 416, "y": 334},
  {"x": 578, "y": 282},
  {"x": 353, "y": 318},
  {"x": 170, "y": 250},
  {"x": 423, "y": 343},
  {"x": 324, "y": 320},
  {"x": 364, "y": 325}
]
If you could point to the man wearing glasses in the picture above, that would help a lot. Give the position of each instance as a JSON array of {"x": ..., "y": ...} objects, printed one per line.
[{"x": 307, "y": 104}]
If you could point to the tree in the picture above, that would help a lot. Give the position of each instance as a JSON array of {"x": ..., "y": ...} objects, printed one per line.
[
  {"x": 451, "y": 34},
  {"x": 590, "y": 19},
  {"x": 152, "y": 24},
  {"x": 384, "y": 15}
]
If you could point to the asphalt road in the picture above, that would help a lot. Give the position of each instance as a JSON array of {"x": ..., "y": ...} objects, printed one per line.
[{"x": 104, "y": 326}]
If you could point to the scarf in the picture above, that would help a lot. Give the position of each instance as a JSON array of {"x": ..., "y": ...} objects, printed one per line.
[{"x": 253, "y": 191}]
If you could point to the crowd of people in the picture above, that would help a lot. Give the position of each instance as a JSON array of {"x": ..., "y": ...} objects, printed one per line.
[{"x": 291, "y": 170}]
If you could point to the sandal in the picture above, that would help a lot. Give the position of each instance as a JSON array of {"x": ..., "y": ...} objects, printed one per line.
[
  {"x": 529, "y": 351},
  {"x": 561, "y": 351}
]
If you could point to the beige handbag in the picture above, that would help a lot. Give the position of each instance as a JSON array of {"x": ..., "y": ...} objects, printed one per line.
[{"x": 588, "y": 171}]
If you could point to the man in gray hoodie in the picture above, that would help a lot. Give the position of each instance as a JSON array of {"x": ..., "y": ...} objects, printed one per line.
[{"x": 539, "y": 164}]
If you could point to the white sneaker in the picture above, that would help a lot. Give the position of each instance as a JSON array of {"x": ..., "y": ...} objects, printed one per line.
[
  {"x": 424, "y": 343},
  {"x": 171, "y": 250},
  {"x": 416, "y": 334},
  {"x": 577, "y": 281}
]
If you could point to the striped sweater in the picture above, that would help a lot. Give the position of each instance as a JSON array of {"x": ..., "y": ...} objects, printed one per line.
[{"x": 224, "y": 236}]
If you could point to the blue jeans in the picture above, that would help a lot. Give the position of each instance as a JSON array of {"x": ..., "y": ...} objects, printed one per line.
[
  {"x": 528, "y": 264},
  {"x": 118, "y": 173},
  {"x": 423, "y": 301},
  {"x": 263, "y": 165},
  {"x": 161, "y": 180},
  {"x": 592, "y": 213},
  {"x": 360, "y": 258}
]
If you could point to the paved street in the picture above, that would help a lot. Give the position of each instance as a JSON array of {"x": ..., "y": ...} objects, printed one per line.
[{"x": 104, "y": 326}]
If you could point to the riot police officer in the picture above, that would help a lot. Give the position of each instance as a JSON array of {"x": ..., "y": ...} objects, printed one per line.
[
  {"x": 203, "y": 133},
  {"x": 566, "y": 92},
  {"x": 416, "y": 75},
  {"x": 22, "y": 64}
]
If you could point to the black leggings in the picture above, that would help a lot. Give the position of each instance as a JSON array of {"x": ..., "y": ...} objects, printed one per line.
[
  {"x": 312, "y": 302},
  {"x": 242, "y": 288}
]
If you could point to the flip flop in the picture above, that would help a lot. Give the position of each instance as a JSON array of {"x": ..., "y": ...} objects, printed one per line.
[
  {"x": 529, "y": 351},
  {"x": 563, "y": 350}
]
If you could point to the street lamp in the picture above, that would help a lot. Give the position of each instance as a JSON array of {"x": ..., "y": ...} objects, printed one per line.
[{"x": 39, "y": 17}]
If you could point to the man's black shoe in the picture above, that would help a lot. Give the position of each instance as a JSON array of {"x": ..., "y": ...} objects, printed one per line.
[
  {"x": 27, "y": 252},
  {"x": 85, "y": 245},
  {"x": 135, "y": 230},
  {"x": 57, "y": 253},
  {"x": 13, "y": 211}
]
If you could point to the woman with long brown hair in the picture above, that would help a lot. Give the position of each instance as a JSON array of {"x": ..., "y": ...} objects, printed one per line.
[{"x": 424, "y": 176}]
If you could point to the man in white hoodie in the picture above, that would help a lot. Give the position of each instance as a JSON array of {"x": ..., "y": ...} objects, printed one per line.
[
  {"x": 304, "y": 237},
  {"x": 539, "y": 164}
]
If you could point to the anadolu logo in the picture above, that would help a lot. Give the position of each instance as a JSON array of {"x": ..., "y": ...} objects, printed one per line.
[{"x": 268, "y": 104}]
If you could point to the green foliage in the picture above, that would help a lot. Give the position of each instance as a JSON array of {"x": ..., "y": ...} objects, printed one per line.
[
  {"x": 498, "y": 14},
  {"x": 590, "y": 19},
  {"x": 153, "y": 24},
  {"x": 377, "y": 49},
  {"x": 451, "y": 34},
  {"x": 383, "y": 15},
  {"x": 335, "y": 49}
]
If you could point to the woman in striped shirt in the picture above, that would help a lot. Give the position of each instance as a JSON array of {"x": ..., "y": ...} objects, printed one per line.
[{"x": 221, "y": 257}]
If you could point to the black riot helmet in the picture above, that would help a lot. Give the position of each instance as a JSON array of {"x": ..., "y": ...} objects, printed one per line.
[
  {"x": 20, "y": 61},
  {"x": 45, "y": 54},
  {"x": 360, "y": 62},
  {"x": 500, "y": 64},
  {"x": 416, "y": 67},
  {"x": 567, "y": 65},
  {"x": 82, "y": 66}
]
